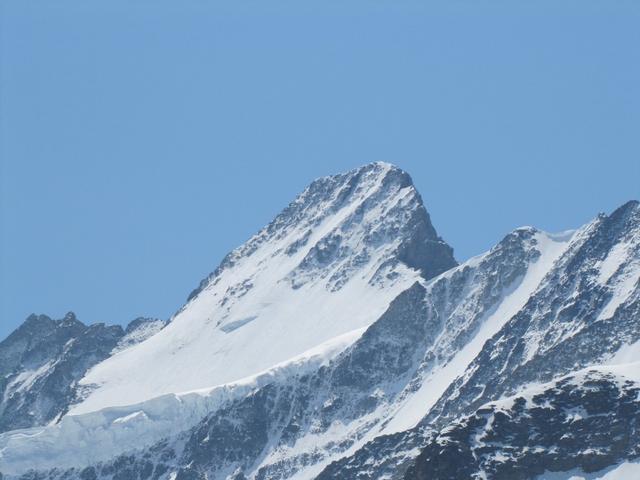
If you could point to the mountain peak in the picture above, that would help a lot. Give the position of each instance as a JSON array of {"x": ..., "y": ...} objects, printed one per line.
[
  {"x": 626, "y": 211},
  {"x": 318, "y": 350},
  {"x": 376, "y": 203},
  {"x": 359, "y": 178},
  {"x": 70, "y": 317},
  {"x": 329, "y": 264}
]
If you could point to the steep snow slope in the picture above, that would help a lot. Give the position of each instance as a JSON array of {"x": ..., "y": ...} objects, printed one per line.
[
  {"x": 390, "y": 378},
  {"x": 330, "y": 263}
]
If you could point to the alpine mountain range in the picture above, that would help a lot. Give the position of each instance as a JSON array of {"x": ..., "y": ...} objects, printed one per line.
[{"x": 344, "y": 341}]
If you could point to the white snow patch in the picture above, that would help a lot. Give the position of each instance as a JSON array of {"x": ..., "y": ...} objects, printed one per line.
[
  {"x": 613, "y": 261},
  {"x": 620, "y": 271},
  {"x": 626, "y": 354},
  {"x": 624, "y": 286},
  {"x": 25, "y": 380},
  {"x": 622, "y": 471}
]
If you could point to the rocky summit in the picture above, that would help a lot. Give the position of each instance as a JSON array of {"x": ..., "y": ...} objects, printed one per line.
[{"x": 344, "y": 341}]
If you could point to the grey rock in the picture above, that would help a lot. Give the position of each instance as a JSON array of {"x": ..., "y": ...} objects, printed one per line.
[{"x": 41, "y": 362}]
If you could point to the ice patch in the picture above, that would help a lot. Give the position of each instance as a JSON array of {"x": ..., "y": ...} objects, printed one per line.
[{"x": 231, "y": 326}]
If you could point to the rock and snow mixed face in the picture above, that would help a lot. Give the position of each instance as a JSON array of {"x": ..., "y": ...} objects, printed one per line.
[
  {"x": 329, "y": 264},
  {"x": 280, "y": 425},
  {"x": 582, "y": 425},
  {"x": 341, "y": 340},
  {"x": 43, "y": 360},
  {"x": 40, "y": 363},
  {"x": 571, "y": 320}
]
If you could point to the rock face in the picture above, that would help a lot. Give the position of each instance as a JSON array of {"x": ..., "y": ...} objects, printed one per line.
[
  {"x": 343, "y": 342},
  {"x": 42, "y": 361},
  {"x": 40, "y": 364}
]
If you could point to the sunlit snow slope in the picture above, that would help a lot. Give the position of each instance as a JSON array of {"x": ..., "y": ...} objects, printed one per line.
[{"x": 329, "y": 264}]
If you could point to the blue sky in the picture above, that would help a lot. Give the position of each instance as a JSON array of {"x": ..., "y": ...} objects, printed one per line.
[{"x": 142, "y": 140}]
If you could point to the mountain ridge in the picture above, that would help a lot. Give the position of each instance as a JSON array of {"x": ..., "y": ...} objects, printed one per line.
[{"x": 393, "y": 342}]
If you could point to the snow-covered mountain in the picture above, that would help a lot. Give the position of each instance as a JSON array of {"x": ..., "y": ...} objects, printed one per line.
[
  {"x": 328, "y": 265},
  {"x": 584, "y": 312},
  {"x": 343, "y": 341}
]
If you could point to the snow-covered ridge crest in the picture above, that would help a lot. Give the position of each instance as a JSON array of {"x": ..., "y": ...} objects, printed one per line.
[
  {"x": 330, "y": 263},
  {"x": 138, "y": 331}
]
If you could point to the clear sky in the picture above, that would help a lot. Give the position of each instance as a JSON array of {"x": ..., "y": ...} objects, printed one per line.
[{"x": 142, "y": 140}]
